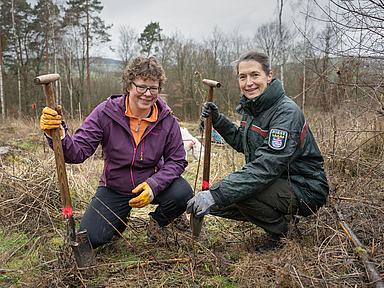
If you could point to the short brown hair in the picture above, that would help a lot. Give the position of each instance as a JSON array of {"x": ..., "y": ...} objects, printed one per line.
[
  {"x": 144, "y": 68},
  {"x": 260, "y": 57}
]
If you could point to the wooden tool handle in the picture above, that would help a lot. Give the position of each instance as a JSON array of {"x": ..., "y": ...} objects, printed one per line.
[
  {"x": 197, "y": 222},
  {"x": 207, "y": 144},
  {"x": 45, "y": 79},
  {"x": 212, "y": 83},
  {"x": 56, "y": 139}
]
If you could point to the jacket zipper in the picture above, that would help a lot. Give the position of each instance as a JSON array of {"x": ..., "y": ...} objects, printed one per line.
[
  {"x": 247, "y": 137},
  {"x": 135, "y": 149},
  {"x": 133, "y": 160},
  {"x": 157, "y": 122}
]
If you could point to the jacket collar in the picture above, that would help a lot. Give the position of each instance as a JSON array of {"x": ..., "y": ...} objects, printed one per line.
[{"x": 265, "y": 100}]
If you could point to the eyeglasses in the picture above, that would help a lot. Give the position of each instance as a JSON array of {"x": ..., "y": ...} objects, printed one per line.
[{"x": 142, "y": 89}]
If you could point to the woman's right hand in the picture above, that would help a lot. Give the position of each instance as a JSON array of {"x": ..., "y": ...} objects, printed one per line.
[
  {"x": 51, "y": 119},
  {"x": 215, "y": 112}
]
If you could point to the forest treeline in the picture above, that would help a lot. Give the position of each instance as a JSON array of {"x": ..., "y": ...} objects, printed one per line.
[{"x": 325, "y": 56}]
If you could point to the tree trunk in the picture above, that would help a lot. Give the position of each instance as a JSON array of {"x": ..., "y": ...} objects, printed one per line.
[
  {"x": 47, "y": 40},
  {"x": 57, "y": 94},
  {"x": 1, "y": 78},
  {"x": 17, "y": 57},
  {"x": 88, "y": 70},
  {"x": 281, "y": 43},
  {"x": 305, "y": 56},
  {"x": 47, "y": 50},
  {"x": 25, "y": 73},
  {"x": 70, "y": 84},
  {"x": 303, "y": 105}
]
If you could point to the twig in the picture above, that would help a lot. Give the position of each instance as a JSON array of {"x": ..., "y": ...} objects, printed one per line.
[
  {"x": 193, "y": 277},
  {"x": 307, "y": 278},
  {"x": 358, "y": 162},
  {"x": 298, "y": 277},
  {"x": 373, "y": 275},
  {"x": 373, "y": 246},
  {"x": 353, "y": 199},
  {"x": 132, "y": 230},
  {"x": 42, "y": 264},
  {"x": 11, "y": 270},
  {"x": 21, "y": 246},
  {"x": 29, "y": 269},
  {"x": 169, "y": 261}
]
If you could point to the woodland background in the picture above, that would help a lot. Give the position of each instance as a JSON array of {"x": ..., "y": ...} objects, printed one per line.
[{"x": 334, "y": 55}]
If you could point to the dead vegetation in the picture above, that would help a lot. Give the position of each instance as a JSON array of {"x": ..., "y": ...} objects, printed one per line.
[{"x": 32, "y": 253}]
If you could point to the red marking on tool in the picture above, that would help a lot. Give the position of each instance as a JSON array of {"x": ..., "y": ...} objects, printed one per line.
[{"x": 67, "y": 211}]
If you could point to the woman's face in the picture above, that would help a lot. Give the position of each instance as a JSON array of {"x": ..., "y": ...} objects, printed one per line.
[
  {"x": 141, "y": 103},
  {"x": 252, "y": 78}
]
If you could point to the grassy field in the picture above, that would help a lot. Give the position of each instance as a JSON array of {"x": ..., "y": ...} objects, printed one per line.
[{"x": 32, "y": 232}]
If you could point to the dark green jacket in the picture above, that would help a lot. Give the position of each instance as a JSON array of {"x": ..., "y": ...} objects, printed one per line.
[{"x": 277, "y": 143}]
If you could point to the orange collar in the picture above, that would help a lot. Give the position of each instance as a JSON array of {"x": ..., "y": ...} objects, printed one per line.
[{"x": 128, "y": 112}]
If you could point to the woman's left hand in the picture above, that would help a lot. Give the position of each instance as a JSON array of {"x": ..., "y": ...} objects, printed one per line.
[{"x": 144, "y": 198}]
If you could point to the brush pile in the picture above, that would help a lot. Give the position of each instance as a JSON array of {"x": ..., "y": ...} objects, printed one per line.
[{"x": 324, "y": 255}]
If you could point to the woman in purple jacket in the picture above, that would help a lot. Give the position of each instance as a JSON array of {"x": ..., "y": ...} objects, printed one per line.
[{"x": 143, "y": 154}]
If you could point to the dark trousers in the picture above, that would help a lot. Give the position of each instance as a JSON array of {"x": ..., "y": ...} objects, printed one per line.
[
  {"x": 109, "y": 209},
  {"x": 267, "y": 209}
]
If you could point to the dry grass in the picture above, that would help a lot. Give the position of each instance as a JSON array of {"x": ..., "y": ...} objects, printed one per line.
[{"x": 32, "y": 230}]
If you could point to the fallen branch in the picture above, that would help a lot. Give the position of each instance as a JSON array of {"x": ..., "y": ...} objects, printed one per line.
[
  {"x": 353, "y": 199},
  {"x": 10, "y": 270},
  {"x": 169, "y": 261},
  {"x": 373, "y": 275}
]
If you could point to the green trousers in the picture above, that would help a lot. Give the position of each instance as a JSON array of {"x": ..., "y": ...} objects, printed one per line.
[{"x": 266, "y": 209}]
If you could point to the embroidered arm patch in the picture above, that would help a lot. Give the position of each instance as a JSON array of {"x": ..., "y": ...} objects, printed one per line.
[{"x": 277, "y": 139}]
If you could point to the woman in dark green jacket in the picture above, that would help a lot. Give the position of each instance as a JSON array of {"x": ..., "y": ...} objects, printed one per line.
[{"x": 284, "y": 174}]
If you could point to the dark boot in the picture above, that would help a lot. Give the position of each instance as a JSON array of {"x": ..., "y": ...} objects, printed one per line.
[
  {"x": 273, "y": 242},
  {"x": 156, "y": 233}
]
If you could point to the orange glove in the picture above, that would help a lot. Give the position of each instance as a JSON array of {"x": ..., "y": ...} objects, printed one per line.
[
  {"x": 51, "y": 119},
  {"x": 144, "y": 198}
]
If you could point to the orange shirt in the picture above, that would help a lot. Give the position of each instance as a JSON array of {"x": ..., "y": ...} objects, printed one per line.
[{"x": 137, "y": 125}]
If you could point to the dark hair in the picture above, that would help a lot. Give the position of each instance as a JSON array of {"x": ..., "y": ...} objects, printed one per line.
[
  {"x": 144, "y": 68},
  {"x": 260, "y": 57}
]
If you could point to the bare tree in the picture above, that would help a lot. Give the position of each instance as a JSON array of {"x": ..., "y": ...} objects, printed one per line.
[
  {"x": 167, "y": 50},
  {"x": 268, "y": 38},
  {"x": 128, "y": 45},
  {"x": 359, "y": 24},
  {"x": 306, "y": 28}
]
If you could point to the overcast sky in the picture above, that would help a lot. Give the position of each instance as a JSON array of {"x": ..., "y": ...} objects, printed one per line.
[{"x": 193, "y": 18}]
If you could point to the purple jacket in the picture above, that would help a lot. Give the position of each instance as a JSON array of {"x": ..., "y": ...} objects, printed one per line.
[{"x": 158, "y": 159}]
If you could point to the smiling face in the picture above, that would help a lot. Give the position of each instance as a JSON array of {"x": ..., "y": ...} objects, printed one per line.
[
  {"x": 252, "y": 78},
  {"x": 140, "y": 104}
]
